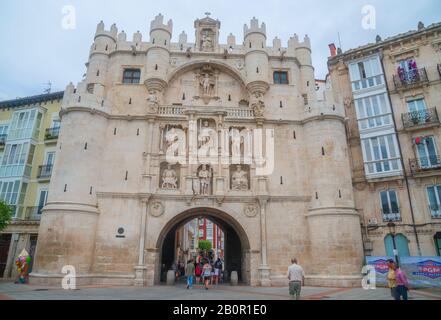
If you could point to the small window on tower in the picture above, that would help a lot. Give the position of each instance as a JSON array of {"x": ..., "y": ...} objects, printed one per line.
[
  {"x": 131, "y": 75},
  {"x": 280, "y": 77}
]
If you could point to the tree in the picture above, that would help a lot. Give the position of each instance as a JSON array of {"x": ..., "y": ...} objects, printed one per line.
[
  {"x": 204, "y": 245},
  {"x": 5, "y": 215}
]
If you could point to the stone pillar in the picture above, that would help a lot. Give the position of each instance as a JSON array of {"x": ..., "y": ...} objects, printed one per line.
[
  {"x": 264, "y": 269},
  {"x": 140, "y": 269}
]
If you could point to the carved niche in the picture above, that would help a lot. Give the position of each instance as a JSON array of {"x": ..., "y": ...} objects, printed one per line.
[
  {"x": 207, "y": 78},
  {"x": 169, "y": 176},
  {"x": 239, "y": 177},
  {"x": 205, "y": 180}
]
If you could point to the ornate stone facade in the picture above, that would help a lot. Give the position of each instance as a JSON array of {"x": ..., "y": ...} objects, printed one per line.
[{"x": 220, "y": 136}]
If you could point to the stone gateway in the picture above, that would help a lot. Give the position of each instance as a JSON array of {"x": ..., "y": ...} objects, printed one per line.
[{"x": 159, "y": 133}]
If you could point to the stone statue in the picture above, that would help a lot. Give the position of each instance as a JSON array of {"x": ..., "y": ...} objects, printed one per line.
[
  {"x": 207, "y": 42},
  {"x": 239, "y": 179},
  {"x": 206, "y": 84},
  {"x": 169, "y": 178},
  {"x": 204, "y": 179},
  {"x": 257, "y": 104},
  {"x": 152, "y": 102}
]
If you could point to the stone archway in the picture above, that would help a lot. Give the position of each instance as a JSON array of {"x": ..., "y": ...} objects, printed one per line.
[{"x": 237, "y": 245}]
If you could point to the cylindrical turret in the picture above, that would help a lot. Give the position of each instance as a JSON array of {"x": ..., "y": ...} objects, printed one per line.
[
  {"x": 303, "y": 54},
  {"x": 158, "y": 55},
  {"x": 256, "y": 57},
  {"x": 334, "y": 224},
  {"x": 69, "y": 219}
]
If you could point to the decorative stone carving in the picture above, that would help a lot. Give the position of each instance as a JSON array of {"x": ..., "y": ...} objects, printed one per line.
[
  {"x": 347, "y": 102},
  {"x": 207, "y": 41},
  {"x": 152, "y": 102},
  {"x": 156, "y": 209},
  {"x": 207, "y": 79},
  {"x": 250, "y": 210},
  {"x": 204, "y": 176},
  {"x": 239, "y": 179},
  {"x": 239, "y": 65},
  {"x": 257, "y": 103},
  {"x": 169, "y": 179}
]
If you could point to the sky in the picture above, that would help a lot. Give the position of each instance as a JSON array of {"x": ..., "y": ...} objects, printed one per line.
[{"x": 37, "y": 48}]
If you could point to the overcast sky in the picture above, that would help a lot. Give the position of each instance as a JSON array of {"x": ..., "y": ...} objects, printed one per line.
[{"x": 35, "y": 48}]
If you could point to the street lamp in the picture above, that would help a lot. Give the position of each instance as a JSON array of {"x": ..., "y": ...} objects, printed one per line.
[{"x": 392, "y": 231}]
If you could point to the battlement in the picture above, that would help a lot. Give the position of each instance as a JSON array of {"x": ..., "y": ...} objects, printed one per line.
[
  {"x": 100, "y": 31},
  {"x": 254, "y": 28},
  {"x": 158, "y": 24}
]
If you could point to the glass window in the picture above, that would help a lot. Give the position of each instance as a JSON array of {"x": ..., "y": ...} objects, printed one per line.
[
  {"x": 280, "y": 77},
  {"x": 389, "y": 205},
  {"x": 131, "y": 75},
  {"x": 433, "y": 195},
  {"x": 373, "y": 111},
  {"x": 381, "y": 154},
  {"x": 427, "y": 153}
]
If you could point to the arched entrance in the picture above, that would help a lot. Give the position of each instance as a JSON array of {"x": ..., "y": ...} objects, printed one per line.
[{"x": 236, "y": 244}]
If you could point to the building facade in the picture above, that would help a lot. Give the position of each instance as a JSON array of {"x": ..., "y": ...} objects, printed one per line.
[
  {"x": 159, "y": 133},
  {"x": 28, "y": 135},
  {"x": 391, "y": 93}
]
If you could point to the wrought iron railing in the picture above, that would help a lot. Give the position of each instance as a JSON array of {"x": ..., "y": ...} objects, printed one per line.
[
  {"x": 52, "y": 133},
  {"x": 425, "y": 163},
  {"x": 420, "y": 117},
  {"x": 407, "y": 78},
  {"x": 3, "y": 139},
  {"x": 391, "y": 216},
  {"x": 44, "y": 171},
  {"x": 435, "y": 211}
]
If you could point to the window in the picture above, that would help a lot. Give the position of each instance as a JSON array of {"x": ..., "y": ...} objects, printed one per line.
[
  {"x": 9, "y": 191},
  {"x": 17, "y": 160},
  {"x": 25, "y": 124},
  {"x": 402, "y": 245},
  {"x": 280, "y": 77},
  {"x": 433, "y": 194},
  {"x": 373, "y": 111},
  {"x": 418, "y": 111},
  {"x": 389, "y": 205},
  {"x": 427, "y": 153},
  {"x": 381, "y": 155},
  {"x": 131, "y": 76},
  {"x": 366, "y": 74}
]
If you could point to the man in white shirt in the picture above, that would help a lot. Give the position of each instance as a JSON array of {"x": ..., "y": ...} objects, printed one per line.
[{"x": 296, "y": 277}]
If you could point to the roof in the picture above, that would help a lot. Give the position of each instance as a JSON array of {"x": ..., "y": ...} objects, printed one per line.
[
  {"x": 31, "y": 100},
  {"x": 379, "y": 44}
]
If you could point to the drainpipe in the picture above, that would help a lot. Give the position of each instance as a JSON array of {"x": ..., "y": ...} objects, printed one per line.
[{"x": 401, "y": 160}]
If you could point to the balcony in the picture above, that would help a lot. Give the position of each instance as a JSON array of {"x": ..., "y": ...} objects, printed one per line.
[
  {"x": 44, "y": 172},
  {"x": 424, "y": 164},
  {"x": 22, "y": 213},
  {"x": 52, "y": 133},
  {"x": 410, "y": 78},
  {"x": 419, "y": 119},
  {"x": 435, "y": 211},
  {"x": 33, "y": 213},
  {"x": 3, "y": 138},
  {"x": 390, "y": 216}
]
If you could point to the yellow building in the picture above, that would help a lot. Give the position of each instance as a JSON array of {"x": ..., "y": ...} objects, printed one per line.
[{"x": 28, "y": 139}]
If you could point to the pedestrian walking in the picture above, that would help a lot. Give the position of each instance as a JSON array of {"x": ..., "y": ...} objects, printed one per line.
[
  {"x": 402, "y": 284},
  {"x": 296, "y": 277},
  {"x": 206, "y": 274},
  {"x": 392, "y": 279},
  {"x": 190, "y": 272},
  {"x": 198, "y": 272},
  {"x": 217, "y": 270}
]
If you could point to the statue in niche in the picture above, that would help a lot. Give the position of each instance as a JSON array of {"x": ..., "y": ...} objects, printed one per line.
[
  {"x": 239, "y": 179},
  {"x": 257, "y": 103},
  {"x": 207, "y": 41},
  {"x": 169, "y": 179},
  {"x": 207, "y": 84},
  {"x": 204, "y": 176},
  {"x": 152, "y": 102}
]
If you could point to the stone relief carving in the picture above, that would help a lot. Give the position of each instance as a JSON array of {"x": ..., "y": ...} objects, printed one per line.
[
  {"x": 239, "y": 179},
  {"x": 257, "y": 103},
  {"x": 207, "y": 41},
  {"x": 152, "y": 102},
  {"x": 204, "y": 176},
  {"x": 207, "y": 78},
  {"x": 169, "y": 178},
  {"x": 250, "y": 210},
  {"x": 156, "y": 209}
]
